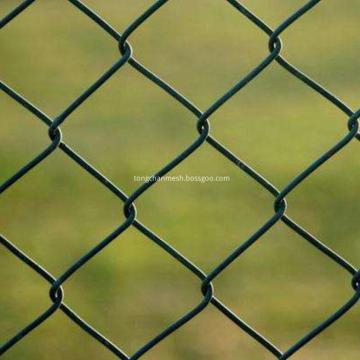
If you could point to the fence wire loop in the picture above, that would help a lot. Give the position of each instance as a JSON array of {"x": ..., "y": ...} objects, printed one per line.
[
  {"x": 280, "y": 205},
  {"x": 356, "y": 281}
]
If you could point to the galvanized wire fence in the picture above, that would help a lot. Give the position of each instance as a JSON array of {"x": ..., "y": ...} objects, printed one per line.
[{"x": 203, "y": 117}]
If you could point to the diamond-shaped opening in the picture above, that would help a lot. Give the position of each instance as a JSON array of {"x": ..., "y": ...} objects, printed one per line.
[
  {"x": 206, "y": 220},
  {"x": 210, "y": 335},
  {"x": 62, "y": 210},
  {"x": 169, "y": 43},
  {"x": 132, "y": 291},
  {"x": 23, "y": 136},
  {"x": 284, "y": 287},
  {"x": 52, "y": 53},
  {"x": 127, "y": 132},
  {"x": 282, "y": 134},
  {"x": 24, "y": 294}
]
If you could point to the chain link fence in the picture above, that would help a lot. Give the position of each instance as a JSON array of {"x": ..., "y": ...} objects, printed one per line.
[{"x": 203, "y": 124}]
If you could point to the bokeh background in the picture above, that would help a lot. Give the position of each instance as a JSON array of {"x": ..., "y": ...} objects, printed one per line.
[{"x": 131, "y": 291}]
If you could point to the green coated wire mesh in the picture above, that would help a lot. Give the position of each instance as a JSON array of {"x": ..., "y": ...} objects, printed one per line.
[{"x": 56, "y": 143}]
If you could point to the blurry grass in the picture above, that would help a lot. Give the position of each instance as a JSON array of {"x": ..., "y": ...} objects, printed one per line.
[{"x": 133, "y": 290}]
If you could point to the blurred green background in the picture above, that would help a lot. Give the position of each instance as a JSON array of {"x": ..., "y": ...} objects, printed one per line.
[{"x": 131, "y": 291}]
